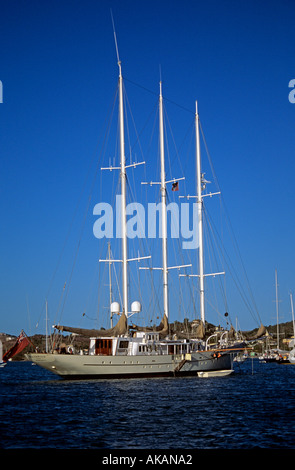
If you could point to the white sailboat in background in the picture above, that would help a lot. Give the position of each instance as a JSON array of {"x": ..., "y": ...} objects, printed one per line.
[
  {"x": 292, "y": 352},
  {"x": 128, "y": 350},
  {"x": 2, "y": 364},
  {"x": 277, "y": 354}
]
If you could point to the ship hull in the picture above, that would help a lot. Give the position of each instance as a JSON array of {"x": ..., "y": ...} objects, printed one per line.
[{"x": 112, "y": 367}]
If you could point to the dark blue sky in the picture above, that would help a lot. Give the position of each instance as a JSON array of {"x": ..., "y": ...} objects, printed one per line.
[{"x": 58, "y": 68}]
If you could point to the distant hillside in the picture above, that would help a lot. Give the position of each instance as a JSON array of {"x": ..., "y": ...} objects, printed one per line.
[
  {"x": 285, "y": 329},
  {"x": 81, "y": 342}
]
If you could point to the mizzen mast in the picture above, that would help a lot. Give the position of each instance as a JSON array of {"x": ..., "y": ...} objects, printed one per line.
[
  {"x": 123, "y": 194},
  {"x": 201, "y": 185}
]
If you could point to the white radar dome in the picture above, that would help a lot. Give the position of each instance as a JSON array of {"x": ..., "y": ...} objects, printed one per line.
[
  {"x": 135, "y": 307},
  {"x": 115, "y": 307}
]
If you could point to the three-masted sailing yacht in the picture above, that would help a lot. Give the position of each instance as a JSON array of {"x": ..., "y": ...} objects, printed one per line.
[{"x": 124, "y": 351}]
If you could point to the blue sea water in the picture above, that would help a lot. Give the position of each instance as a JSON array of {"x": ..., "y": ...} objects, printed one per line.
[{"x": 252, "y": 408}]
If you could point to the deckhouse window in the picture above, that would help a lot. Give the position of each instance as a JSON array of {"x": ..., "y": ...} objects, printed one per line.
[{"x": 103, "y": 347}]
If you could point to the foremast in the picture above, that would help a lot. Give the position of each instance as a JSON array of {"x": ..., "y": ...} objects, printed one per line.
[
  {"x": 135, "y": 306},
  {"x": 123, "y": 194}
]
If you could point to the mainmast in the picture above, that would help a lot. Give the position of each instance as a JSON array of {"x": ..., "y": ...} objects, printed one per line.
[
  {"x": 123, "y": 194},
  {"x": 200, "y": 217},
  {"x": 163, "y": 207},
  {"x": 277, "y": 310},
  {"x": 163, "y": 185},
  {"x": 292, "y": 310}
]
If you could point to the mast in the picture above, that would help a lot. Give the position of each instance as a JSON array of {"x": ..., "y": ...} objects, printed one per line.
[
  {"x": 292, "y": 310},
  {"x": 200, "y": 218},
  {"x": 46, "y": 328},
  {"x": 277, "y": 308},
  {"x": 110, "y": 281},
  {"x": 163, "y": 184},
  {"x": 123, "y": 178},
  {"x": 123, "y": 194},
  {"x": 201, "y": 185},
  {"x": 163, "y": 207}
]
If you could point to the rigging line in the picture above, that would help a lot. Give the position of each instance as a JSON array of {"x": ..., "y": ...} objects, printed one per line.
[
  {"x": 219, "y": 280},
  {"x": 138, "y": 134},
  {"x": 150, "y": 143},
  {"x": 59, "y": 304},
  {"x": 187, "y": 160},
  {"x": 74, "y": 215},
  {"x": 153, "y": 299},
  {"x": 126, "y": 122},
  {"x": 83, "y": 224},
  {"x": 180, "y": 255},
  {"x": 176, "y": 156},
  {"x": 236, "y": 280},
  {"x": 66, "y": 239},
  {"x": 149, "y": 277},
  {"x": 217, "y": 237},
  {"x": 209, "y": 157},
  {"x": 230, "y": 225},
  {"x": 189, "y": 149},
  {"x": 90, "y": 290},
  {"x": 115, "y": 271},
  {"x": 140, "y": 240},
  {"x": 211, "y": 238},
  {"x": 157, "y": 94}
]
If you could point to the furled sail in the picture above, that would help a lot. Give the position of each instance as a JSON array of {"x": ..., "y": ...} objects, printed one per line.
[
  {"x": 231, "y": 333},
  {"x": 118, "y": 330},
  {"x": 162, "y": 328},
  {"x": 200, "y": 332},
  {"x": 260, "y": 332}
]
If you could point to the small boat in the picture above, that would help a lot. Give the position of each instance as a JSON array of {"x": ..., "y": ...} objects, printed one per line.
[
  {"x": 269, "y": 356},
  {"x": 275, "y": 355},
  {"x": 217, "y": 373}
]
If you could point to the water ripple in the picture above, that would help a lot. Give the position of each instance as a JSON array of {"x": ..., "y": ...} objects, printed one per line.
[{"x": 249, "y": 409}]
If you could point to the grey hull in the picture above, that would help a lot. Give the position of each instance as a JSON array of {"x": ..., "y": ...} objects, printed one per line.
[{"x": 108, "y": 367}]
